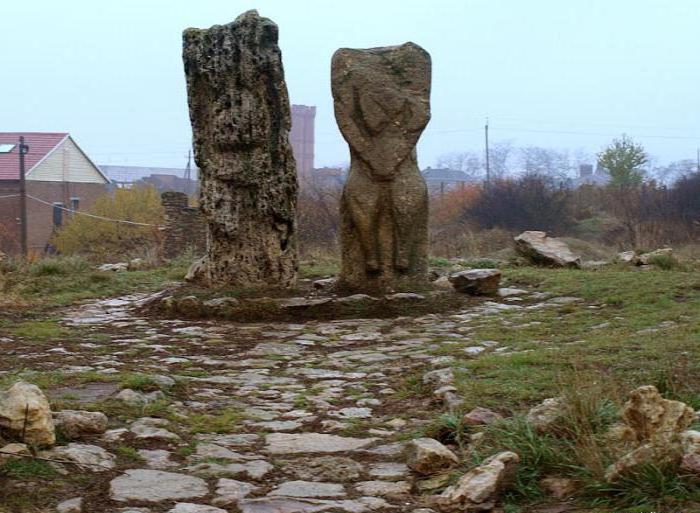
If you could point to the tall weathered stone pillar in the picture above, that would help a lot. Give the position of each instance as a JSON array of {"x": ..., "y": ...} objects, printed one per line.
[
  {"x": 382, "y": 105},
  {"x": 240, "y": 116}
]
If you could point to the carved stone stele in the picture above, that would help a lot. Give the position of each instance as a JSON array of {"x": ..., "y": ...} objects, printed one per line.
[
  {"x": 239, "y": 109},
  {"x": 382, "y": 105}
]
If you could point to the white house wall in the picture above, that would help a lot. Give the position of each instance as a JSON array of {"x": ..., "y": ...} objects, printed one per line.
[{"x": 66, "y": 164}]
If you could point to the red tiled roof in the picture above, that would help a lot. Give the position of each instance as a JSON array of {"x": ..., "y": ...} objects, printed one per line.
[{"x": 40, "y": 144}]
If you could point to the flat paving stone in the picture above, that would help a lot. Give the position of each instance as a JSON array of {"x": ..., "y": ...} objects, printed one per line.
[
  {"x": 308, "y": 489},
  {"x": 188, "y": 507},
  {"x": 298, "y": 505},
  {"x": 283, "y": 443},
  {"x": 142, "y": 485}
]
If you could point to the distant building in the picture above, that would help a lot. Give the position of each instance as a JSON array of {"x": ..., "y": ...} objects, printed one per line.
[
  {"x": 162, "y": 178},
  {"x": 588, "y": 176},
  {"x": 59, "y": 175},
  {"x": 325, "y": 177},
  {"x": 440, "y": 180},
  {"x": 302, "y": 137}
]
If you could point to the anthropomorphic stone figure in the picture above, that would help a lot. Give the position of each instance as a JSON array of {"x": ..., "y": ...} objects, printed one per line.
[
  {"x": 382, "y": 105},
  {"x": 240, "y": 116}
]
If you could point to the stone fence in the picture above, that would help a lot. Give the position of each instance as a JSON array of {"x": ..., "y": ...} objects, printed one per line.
[{"x": 184, "y": 228}]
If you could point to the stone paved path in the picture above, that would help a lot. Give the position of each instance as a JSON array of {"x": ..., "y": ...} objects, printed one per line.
[{"x": 313, "y": 420}]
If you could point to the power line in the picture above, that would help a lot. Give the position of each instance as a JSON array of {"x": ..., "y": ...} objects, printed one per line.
[{"x": 571, "y": 132}]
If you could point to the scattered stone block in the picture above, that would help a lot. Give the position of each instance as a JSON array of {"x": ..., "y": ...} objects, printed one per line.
[
  {"x": 75, "y": 424},
  {"x": 481, "y": 416},
  {"x": 479, "y": 488},
  {"x": 543, "y": 250},
  {"x": 428, "y": 456},
  {"x": 476, "y": 281},
  {"x": 655, "y": 425},
  {"x": 74, "y": 505},
  {"x": 545, "y": 416}
]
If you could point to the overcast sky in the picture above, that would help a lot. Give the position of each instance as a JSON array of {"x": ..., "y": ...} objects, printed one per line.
[{"x": 562, "y": 74}]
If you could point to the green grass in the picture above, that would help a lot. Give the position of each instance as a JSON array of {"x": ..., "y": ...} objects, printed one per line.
[
  {"x": 139, "y": 382},
  {"x": 50, "y": 379},
  {"x": 546, "y": 345},
  {"x": 116, "y": 409},
  {"x": 319, "y": 267},
  {"x": 22, "y": 468},
  {"x": 128, "y": 453},
  {"x": 38, "y": 330},
  {"x": 227, "y": 421},
  {"x": 665, "y": 262}
]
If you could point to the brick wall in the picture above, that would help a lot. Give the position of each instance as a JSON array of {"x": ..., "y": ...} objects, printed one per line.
[
  {"x": 39, "y": 216},
  {"x": 184, "y": 226},
  {"x": 40, "y": 225}
]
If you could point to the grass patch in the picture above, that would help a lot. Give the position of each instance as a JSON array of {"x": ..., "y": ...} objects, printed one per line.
[
  {"x": 39, "y": 330},
  {"x": 128, "y": 453},
  {"x": 619, "y": 332},
  {"x": 665, "y": 262},
  {"x": 319, "y": 267},
  {"x": 228, "y": 421},
  {"x": 23, "y": 468},
  {"x": 139, "y": 382},
  {"x": 120, "y": 410}
]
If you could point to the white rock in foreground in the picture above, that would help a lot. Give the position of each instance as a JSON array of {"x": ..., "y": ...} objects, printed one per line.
[{"x": 26, "y": 401}]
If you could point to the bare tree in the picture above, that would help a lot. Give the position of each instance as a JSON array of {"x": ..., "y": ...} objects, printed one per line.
[
  {"x": 545, "y": 162},
  {"x": 673, "y": 171},
  {"x": 468, "y": 162}
]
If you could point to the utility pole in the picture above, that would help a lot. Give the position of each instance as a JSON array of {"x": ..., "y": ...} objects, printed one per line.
[
  {"x": 697, "y": 168},
  {"x": 188, "y": 172},
  {"x": 23, "y": 150},
  {"x": 488, "y": 166}
]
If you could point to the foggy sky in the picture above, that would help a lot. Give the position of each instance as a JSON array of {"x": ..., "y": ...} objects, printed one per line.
[{"x": 561, "y": 74}]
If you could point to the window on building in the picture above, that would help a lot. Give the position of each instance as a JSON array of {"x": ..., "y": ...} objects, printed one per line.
[
  {"x": 75, "y": 204},
  {"x": 57, "y": 214},
  {"x": 6, "y": 148}
]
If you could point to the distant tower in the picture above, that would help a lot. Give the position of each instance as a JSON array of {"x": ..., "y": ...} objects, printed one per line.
[{"x": 302, "y": 138}]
